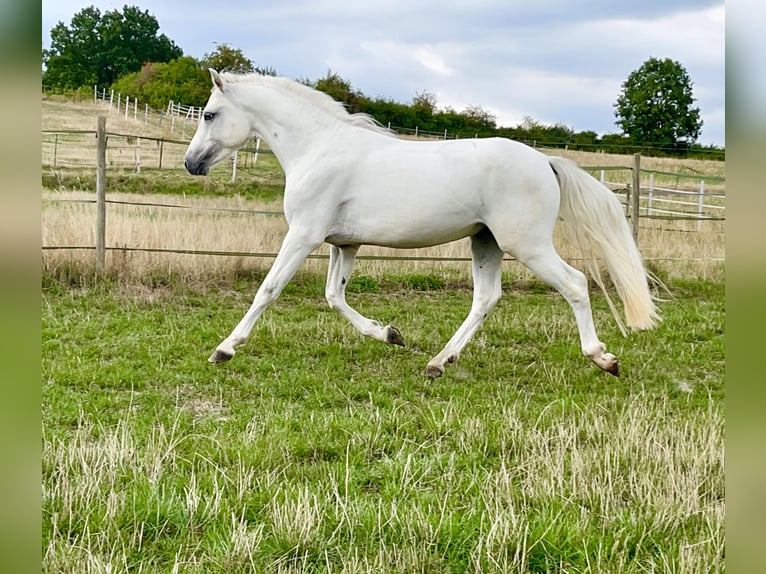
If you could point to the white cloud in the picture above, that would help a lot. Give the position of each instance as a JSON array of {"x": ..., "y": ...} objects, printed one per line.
[
  {"x": 432, "y": 61},
  {"x": 556, "y": 61}
]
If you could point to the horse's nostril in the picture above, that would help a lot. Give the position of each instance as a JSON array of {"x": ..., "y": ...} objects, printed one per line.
[{"x": 194, "y": 169}]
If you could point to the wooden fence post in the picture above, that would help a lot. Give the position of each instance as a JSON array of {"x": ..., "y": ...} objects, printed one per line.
[
  {"x": 100, "y": 194},
  {"x": 137, "y": 155},
  {"x": 636, "y": 195}
]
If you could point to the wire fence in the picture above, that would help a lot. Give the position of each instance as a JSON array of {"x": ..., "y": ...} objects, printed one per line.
[
  {"x": 672, "y": 197},
  {"x": 67, "y": 150}
]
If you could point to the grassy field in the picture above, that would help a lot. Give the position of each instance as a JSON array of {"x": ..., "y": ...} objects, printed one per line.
[{"x": 316, "y": 450}]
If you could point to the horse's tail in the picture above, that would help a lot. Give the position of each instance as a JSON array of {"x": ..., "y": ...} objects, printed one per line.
[{"x": 594, "y": 219}]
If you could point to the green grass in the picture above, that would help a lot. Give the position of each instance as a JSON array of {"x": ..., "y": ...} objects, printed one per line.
[
  {"x": 317, "y": 450},
  {"x": 264, "y": 181},
  {"x": 169, "y": 182}
]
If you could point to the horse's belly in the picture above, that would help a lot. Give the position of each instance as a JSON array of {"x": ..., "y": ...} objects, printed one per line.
[{"x": 402, "y": 232}]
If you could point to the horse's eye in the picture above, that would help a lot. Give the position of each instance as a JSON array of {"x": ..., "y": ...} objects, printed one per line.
[{"x": 208, "y": 116}]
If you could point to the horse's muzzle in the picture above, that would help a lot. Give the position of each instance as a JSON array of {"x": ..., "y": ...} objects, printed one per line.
[{"x": 196, "y": 168}]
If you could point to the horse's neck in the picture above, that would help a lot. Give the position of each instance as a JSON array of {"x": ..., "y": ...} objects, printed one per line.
[{"x": 288, "y": 125}]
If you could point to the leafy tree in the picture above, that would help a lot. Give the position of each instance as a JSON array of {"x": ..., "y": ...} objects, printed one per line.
[
  {"x": 340, "y": 90},
  {"x": 182, "y": 80},
  {"x": 72, "y": 60},
  {"x": 387, "y": 111},
  {"x": 424, "y": 102},
  {"x": 656, "y": 105},
  {"x": 479, "y": 121},
  {"x": 226, "y": 58},
  {"x": 98, "y": 49}
]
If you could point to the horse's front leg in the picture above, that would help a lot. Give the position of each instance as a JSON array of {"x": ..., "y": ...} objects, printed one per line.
[{"x": 296, "y": 246}]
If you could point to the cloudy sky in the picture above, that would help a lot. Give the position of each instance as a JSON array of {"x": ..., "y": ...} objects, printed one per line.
[{"x": 556, "y": 61}]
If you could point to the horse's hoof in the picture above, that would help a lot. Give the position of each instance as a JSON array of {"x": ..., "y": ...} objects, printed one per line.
[
  {"x": 393, "y": 336},
  {"x": 613, "y": 368},
  {"x": 433, "y": 371},
  {"x": 219, "y": 357}
]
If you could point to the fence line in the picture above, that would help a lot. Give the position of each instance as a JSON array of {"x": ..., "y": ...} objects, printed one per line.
[
  {"x": 633, "y": 204},
  {"x": 645, "y": 200},
  {"x": 138, "y": 155},
  {"x": 135, "y": 155},
  {"x": 266, "y": 255},
  {"x": 188, "y": 114},
  {"x": 172, "y": 206},
  {"x": 678, "y": 217}
]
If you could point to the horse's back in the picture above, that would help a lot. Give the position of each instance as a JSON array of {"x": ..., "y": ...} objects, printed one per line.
[
  {"x": 472, "y": 175},
  {"x": 424, "y": 165}
]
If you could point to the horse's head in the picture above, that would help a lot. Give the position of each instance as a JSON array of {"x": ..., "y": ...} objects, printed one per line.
[{"x": 223, "y": 129}]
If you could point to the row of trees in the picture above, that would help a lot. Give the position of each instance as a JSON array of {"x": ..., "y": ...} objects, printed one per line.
[
  {"x": 123, "y": 51},
  {"x": 97, "y": 49}
]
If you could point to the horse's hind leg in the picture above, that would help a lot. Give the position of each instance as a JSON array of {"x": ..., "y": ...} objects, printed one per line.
[
  {"x": 486, "y": 264},
  {"x": 541, "y": 258},
  {"x": 338, "y": 273}
]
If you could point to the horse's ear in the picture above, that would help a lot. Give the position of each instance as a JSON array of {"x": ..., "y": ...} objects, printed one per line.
[{"x": 217, "y": 81}]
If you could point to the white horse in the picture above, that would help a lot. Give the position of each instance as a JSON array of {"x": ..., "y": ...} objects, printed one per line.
[{"x": 350, "y": 182}]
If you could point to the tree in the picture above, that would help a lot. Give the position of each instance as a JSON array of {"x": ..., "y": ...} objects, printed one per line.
[
  {"x": 340, "y": 90},
  {"x": 183, "y": 80},
  {"x": 479, "y": 121},
  {"x": 72, "y": 59},
  {"x": 656, "y": 105},
  {"x": 424, "y": 102},
  {"x": 226, "y": 58},
  {"x": 97, "y": 49}
]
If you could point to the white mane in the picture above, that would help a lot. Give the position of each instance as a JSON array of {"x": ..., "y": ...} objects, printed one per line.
[{"x": 316, "y": 98}]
